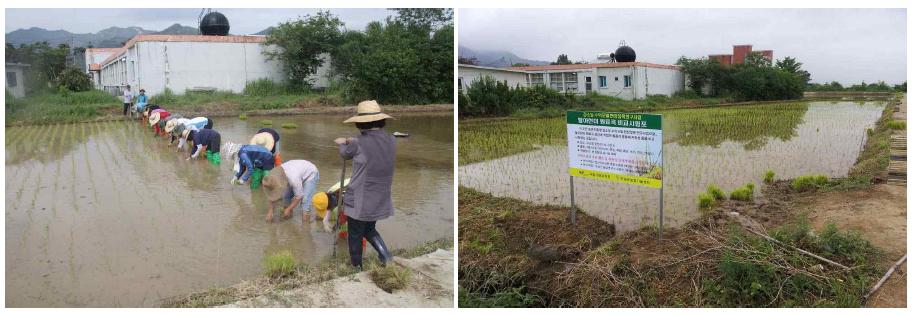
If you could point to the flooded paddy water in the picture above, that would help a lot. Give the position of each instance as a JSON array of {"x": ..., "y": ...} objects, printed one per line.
[
  {"x": 103, "y": 214},
  {"x": 725, "y": 146}
]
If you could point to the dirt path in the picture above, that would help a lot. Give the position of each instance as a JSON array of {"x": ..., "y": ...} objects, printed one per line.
[
  {"x": 431, "y": 286},
  {"x": 880, "y": 214}
]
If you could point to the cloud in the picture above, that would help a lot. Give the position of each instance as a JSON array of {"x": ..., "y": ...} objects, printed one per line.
[{"x": 847, "y": 45}]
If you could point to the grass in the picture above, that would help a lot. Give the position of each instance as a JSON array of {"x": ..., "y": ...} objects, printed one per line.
[
  {"x": 897, "y": 125},
  {"x": 61, "y": 107},
  {"x": 302, "y": 275},
  {"x": 391, "y": 277},
  {"x": 279, "y": 265}
]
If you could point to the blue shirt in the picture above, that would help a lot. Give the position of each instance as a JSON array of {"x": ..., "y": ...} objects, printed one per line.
[{"x": 252, "y": 155}]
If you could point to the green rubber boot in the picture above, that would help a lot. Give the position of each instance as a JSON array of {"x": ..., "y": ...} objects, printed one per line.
[
  {"x": 215, "y": 158},
  {"x": 257, "y": 174}
]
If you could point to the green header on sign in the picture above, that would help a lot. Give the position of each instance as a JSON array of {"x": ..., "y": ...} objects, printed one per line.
[{"x": 612, "y": 119}]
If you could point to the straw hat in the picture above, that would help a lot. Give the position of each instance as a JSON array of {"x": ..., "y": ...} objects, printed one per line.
[
  {"x": 154, "y": 118},
  {"x": 264, "y": 139},
  {"x": 367, "y": 111},
  {"x": 171, "y": 124},
  {"x": 275, "y": 184}
]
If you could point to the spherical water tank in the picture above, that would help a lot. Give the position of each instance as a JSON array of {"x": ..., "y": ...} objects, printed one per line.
[
  {"x": 214, "y": 23},
  {"x": 625, "y": 54}
]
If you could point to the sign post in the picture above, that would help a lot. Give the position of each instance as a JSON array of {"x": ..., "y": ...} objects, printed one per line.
[{"x": 617, "y": 147}]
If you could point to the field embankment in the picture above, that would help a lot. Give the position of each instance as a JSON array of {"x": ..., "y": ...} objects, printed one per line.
[{"x": 736, "y": 254}]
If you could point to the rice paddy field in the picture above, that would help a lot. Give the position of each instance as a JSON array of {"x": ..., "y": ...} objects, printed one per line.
[
  {"x": 723, "y": 146},
  {"x": 103, "y": 214}
]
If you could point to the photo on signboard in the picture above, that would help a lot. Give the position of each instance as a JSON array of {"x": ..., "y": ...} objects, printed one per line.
[{"x": 681, "y": 158}]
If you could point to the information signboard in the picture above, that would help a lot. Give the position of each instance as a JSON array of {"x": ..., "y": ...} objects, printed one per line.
[{"x": 618, "y": 147}]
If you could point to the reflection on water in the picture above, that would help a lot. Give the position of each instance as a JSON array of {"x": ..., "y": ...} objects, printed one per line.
[
  {"x": 725, "y": 147},
  {"x": 103, "y": 214}
]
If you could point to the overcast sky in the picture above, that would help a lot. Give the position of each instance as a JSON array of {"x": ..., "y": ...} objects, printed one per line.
[
  {"x": 846, "y": 45},
  {"x": 242, "y": 21}
]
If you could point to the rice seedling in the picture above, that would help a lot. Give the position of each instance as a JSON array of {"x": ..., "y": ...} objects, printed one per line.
[
  {"x": 243, "y": 116},
  {"x": 768, "y": 176},
  {"x": 705, "y": 200},
  {"x": 279, "y": 265},
  {"x": 289, "y": 125},
  {"x": 809, "y": 182},
  {"x": 745, "y": 193},
  {"x": 391, "y": 277},
  {"x": 265, "y": 122},
  {"x": 716, "y": 192}
]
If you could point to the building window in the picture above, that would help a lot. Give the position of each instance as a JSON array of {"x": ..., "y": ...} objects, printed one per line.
[
  {"x": 627, "y": 81},
  {"x": 602, "y": 81},
  {"x": 555, "y": 81},
  {"x": 535, "y": 79},
  {"x": 11, "y": 79},
  {"x": 588, "y": 84},
  {"x": 571, "y": 82}
]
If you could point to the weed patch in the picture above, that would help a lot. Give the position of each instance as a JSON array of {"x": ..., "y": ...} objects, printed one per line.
[{"x": 391, "y": 277}]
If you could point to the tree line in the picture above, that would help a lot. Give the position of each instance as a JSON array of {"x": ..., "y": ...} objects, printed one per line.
[
  {"x": 756, "y": 79},
  {"x": 835, "y": 86},
  {"x": 48, "y": 67},
  {"x": 406, "y": 59}
]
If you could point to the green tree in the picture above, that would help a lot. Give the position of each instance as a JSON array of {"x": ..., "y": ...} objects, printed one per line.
[
  {"x": 75, "y": 80},
  {"x": 301, "y": 44},
  {"x": 428, "y": 18},
  {"x": 563, "y": 59},
  {"x": 46, "y": 62}
]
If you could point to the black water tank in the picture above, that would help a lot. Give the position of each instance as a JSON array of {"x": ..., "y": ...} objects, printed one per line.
[
  {"x": 214, "y": 23},
  {"x": 625, "y": 54}
]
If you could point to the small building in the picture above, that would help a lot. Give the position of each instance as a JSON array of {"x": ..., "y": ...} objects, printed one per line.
[
  {"x": 625, "y": 80},
  {"x": 739, "y": 53},
  {"x": 191, "y": 63},
  {"x": 466, "y": 74},
  {"x": 93, "y": 57},
  {"x": 16, "y": 79}
]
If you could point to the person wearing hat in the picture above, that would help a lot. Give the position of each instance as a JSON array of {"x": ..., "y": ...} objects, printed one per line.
[
  {"x": 251, "y": 161},
  {"x": 155, "y": 117},
  {"x": 207, "y": 140},
  {"x": 181, "y": 129},
  {"x": 368, "y": 198},
  {"x": 265, "y": 140},
  {"x": 325, "y": 205},
  {"x": 141, "y": 103},
  {"x": 150, "y": 108},
  {"x": 276, "y": 148},
  {"x": 171, "y": 120},
  {"x": 293, "y": 181}
]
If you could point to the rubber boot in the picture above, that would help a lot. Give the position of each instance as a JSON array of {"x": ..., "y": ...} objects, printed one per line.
[
  {"x": 356, "y": 251},
  {"x": 382, "y": 252}
]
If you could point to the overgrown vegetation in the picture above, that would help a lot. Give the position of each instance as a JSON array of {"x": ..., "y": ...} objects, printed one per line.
[
  {"x": 757, "y": 79},
  {"x": 897, "y": 125},
  {"x": 63, "y": 106}
]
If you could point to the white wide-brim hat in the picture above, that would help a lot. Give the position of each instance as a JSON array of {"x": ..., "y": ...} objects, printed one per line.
[
  {"x": 154, "y": 119},
  {"x": 367, "y": 111},
  {"x": 171, "y": 124}
]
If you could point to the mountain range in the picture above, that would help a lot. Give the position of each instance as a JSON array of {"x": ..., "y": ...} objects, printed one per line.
[
  {"x": 496, "y": 58},
  {"x": 111, "y": 37}
]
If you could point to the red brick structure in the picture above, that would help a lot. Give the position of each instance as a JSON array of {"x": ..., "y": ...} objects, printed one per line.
[{"x": 739, "y": 53}]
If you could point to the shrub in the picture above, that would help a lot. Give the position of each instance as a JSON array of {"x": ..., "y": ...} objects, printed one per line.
[
  {"x": 716, "y": 192},
  {"x": 74, "y": 80},
  {"x": 768, "y": 176},
  {"x": 809, "y": 182},
  {"x": 391, "y": 277},
  {"x": 279, "y": 265},
  {"x": 705, "y": 200},
  {"x": 897, "y": 124}
]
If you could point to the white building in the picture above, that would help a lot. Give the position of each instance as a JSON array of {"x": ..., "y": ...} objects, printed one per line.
[
  {"x": 466, "y": 74},
  {"x": 191, "y": 63},
  {"x": 16, "y": 79},
  {"x": 93, "y": 57},
  {"x": 625, "y": 80}
]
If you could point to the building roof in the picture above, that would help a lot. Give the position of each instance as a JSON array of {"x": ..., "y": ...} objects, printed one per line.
[
  {"x": 92, "y": 50},
  {"x": 95, "y": 67},
  {"x": 594, "y": 65},
  {"x": 491, "y": 68},
  {"x": 183, "y": 38}
]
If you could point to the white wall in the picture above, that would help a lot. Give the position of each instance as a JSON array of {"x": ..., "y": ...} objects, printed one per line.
[
  {"x": 615, "y": 83},
  {"x": 19, "y": 90},
  {"x": 467, "y": 75},
  {"x": 645, "y": 81},
  {"x": 182, "y": 66}
]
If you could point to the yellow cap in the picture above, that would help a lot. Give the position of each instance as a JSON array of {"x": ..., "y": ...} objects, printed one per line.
[{"x": 320, "y": 204}]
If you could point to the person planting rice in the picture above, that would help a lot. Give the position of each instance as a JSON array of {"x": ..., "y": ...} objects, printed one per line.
[
  {"x": 155, "y": 117},
  {"x": 171, "y": 120},
  {"x": 293, "y": 181},
  {"x": 250, "y": 161},
  {"x": 207, "y": 140},
  {"x": 367, "y": 197},
  {"x": 178, "y": 130},
  {"x": 325, "y": 205},
  {"x": 272, "y": 143}
]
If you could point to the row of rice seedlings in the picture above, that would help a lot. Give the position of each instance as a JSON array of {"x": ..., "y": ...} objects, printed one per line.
[{"x": 86, "y": 159}]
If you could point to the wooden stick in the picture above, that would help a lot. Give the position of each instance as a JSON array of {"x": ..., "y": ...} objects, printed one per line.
[
  {"x": 885, "y": 278},
  {"x": 799, "y": 249}
]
